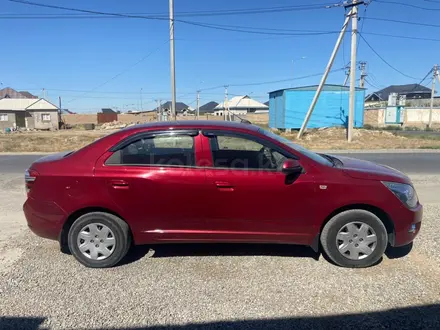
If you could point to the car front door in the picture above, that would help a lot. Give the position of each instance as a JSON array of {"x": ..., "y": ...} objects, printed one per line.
[
  {"x": 251, "y": 198},
  {"x": 155, "y": 182}
]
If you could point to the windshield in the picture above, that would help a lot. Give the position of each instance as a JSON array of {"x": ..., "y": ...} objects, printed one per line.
[{"x": 316, "y": 157}]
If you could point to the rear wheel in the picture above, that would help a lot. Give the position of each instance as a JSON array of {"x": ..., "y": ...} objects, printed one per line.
[
  {"x": 354, "y": 238},
  {"x": 99, "y": 239}
]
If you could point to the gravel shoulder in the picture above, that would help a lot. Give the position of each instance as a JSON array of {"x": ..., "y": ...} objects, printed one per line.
[{"x": 215, "y": 286}]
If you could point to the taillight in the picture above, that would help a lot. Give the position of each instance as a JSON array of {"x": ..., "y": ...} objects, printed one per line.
[{"x": 29, "y": 178}]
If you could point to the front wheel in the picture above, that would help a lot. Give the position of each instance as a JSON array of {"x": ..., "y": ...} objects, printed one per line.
[
  {"x": 99, "y": 240},
  {"x": 354, "y": 238}
]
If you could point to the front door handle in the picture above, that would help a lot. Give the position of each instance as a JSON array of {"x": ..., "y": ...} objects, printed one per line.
[
  {"x": 224, "y": 186},
  {"x": 119, "y": 184}
]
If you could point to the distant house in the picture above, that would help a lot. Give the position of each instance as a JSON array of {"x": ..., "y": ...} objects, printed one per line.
[
  {"x": 208, "y": 107},
  {"x": 181, "y": 108},
  {"x": 241, "y": 105},
  {"x": 411, "y": 91},
  {"x": 28, "y": 95},
  {"x": 28, "y": 113},
  {"x": 10, "y": 93}
]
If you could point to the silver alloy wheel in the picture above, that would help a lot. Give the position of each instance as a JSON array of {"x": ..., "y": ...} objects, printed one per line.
[
  {"x": 96, "y": 241},
  {"x": 356, "y": 240}
]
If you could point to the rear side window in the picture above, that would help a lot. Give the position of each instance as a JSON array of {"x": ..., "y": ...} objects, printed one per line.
[{"x": 162, "y": 150}]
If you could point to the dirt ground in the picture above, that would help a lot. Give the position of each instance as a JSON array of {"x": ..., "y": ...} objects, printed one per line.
[{"x": 324, "y": 139}]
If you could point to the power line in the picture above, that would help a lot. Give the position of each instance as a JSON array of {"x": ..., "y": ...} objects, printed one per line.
[
  {"x": 383, "y": 60},
  {"x": 120, "y": 73},
  {"x": 220, "y": 27},
  {"x": 405, "y": 4},
  {"x": 30, "y": 3},
  {"x": 272, "y": 81},
  {"x": 216, "y": 27},
  {"x": 372, "y": 85},
  {"x": 164, "y": 16},
  {"x": 422, "y": 80},
  {"x": 400, "y": 36},
  {"x": 402, "y": 22},
  {"x": 373, "y": 78}
]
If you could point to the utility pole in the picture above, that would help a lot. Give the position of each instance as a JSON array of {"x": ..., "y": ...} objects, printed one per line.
[
  {"x": 173, "y": 69},
  {"x": 198, "y": 105},
  {"x": 354, "y": 26},
  {"x": 434, "y": 76},
  {"x": 59, "y": 112},
  {"x": 226, "y": 103},
  {"x": 362, "y": 67},
  {"x": 157, "y": 111},
  {"x": 324, "y": 77},
  {"x": 347, "y": 75},
  {"x": 142, "y": 107}
]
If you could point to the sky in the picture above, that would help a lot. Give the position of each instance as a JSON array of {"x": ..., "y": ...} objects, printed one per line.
[{"x": 97, "y": 62}]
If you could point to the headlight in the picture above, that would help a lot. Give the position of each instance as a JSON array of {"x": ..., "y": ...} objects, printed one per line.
[{"x": 404, "y": 192}]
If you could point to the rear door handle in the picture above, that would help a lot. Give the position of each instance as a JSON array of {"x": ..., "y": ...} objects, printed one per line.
[
  {"x": 224, "y": 186},
  {"x": 119, "y": 184}
]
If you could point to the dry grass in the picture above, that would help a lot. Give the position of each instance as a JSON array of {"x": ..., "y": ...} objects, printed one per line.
[
  {"x": 48, "y": 141},
  {"x": 335, "y": 138},
  {"x": 331, "y": 138}
]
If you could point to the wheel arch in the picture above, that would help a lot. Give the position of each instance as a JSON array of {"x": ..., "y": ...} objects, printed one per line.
[
  {"x": 75, "y": 215},
  {"x": 381, "y": 214}
]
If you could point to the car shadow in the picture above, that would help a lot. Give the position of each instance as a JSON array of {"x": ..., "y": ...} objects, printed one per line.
[
  {"x": 398, "y": 252},
  {"x": 18, "y": 323},
  {"x": 239, "y": 249},
  {"x": 412, "y": 317},
  {"x": 218, "y": 249}
]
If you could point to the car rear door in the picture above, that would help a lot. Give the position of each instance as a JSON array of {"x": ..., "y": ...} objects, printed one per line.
[
  {"x": 156, "y": 184},
  {"x": 250, "y": 198}
]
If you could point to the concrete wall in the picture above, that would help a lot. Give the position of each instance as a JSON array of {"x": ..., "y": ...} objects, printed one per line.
[
  {"x": 80, "y": 119},
  {"x": 374, "y": 117},
  {"x": 412, "y": 117},
  {"x": 128, "y": 118},
  {"x": 260, "y": 118},
  {"x": 419, "y": 117},
  {"x": 10, "y": 122},
  {"x": 36, "y": 117}
]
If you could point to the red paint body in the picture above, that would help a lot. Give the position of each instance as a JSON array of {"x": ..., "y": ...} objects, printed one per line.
[{"x": 207, "y": 204}]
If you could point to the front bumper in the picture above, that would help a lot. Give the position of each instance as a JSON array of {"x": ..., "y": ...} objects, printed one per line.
[
  {"x": 45, "y": 219},
  {"x": 407, "y": 226}
]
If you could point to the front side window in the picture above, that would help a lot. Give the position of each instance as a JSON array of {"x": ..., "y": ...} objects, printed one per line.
[
  {"x": 238, "y": 152},
  {"x": 161, "y": 150},
  {"x": 316, "y": 157},
  {"x": 3, "y": 117},
  {"x": 45, "y": 117}
]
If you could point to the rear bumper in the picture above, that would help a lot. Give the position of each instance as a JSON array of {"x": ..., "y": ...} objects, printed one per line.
[
  {"x": 45, "y": 219},
  {"x": 407, "y": 227}
]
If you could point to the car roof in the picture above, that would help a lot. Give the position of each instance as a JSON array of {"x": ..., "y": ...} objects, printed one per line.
[{"x": 213, "y": 124}]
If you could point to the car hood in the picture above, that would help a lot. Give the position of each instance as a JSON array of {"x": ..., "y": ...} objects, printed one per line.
[{"x": 363, "y": 169}]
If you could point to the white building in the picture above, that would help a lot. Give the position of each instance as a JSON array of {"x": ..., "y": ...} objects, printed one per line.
[
  {"x": 241, "y": 105},
  {"x": 28, "y": 113}
]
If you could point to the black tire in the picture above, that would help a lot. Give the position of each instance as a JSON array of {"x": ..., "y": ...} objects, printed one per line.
[
  {"x": 121, "y": 233},
  {"x": 331, "y": 229}
]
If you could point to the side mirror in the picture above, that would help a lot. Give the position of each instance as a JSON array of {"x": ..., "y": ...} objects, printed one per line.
[{"x": 291, "y": 166}]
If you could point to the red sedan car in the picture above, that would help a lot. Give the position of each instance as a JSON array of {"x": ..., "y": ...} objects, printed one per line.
[{"x": 206, "y": 181}]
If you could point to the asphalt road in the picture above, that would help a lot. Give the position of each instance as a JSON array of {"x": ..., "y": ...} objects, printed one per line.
[{"x": 420, "y": 163}]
